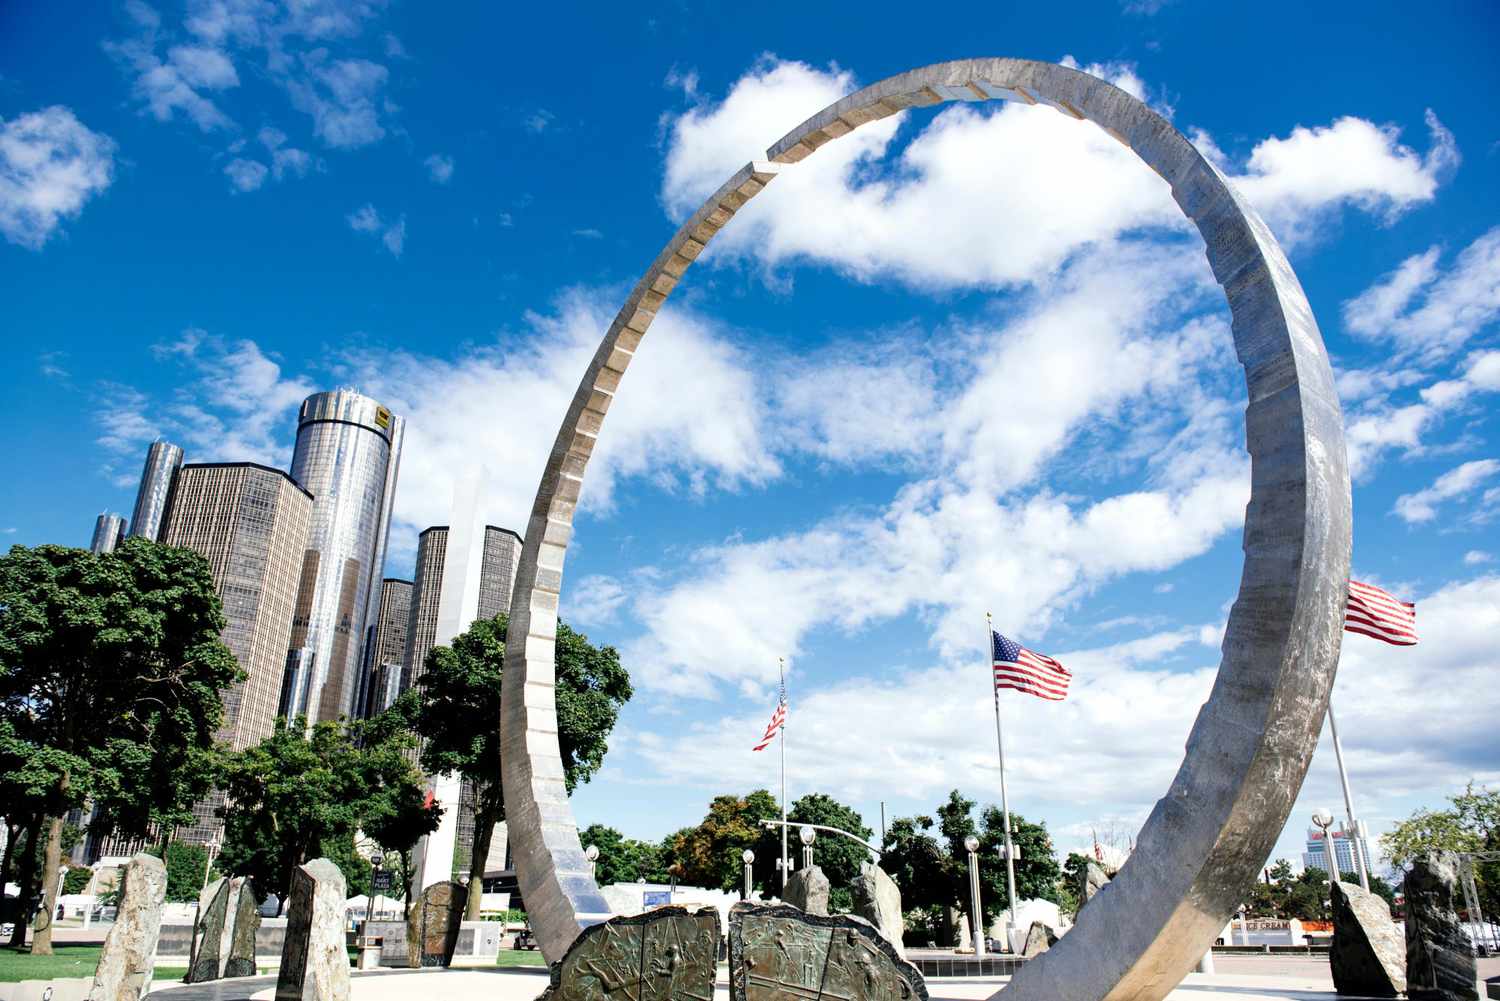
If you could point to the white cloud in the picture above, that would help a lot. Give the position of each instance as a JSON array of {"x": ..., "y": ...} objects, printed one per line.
[
  {"x": 1454, "y": 305},
  {"x": 51, "y": 164},
  {"x": 1378, "y": 423},
  {"x": 284, "y": 159},
  {"x": 1422, "y": 505},
  {"x": 174, "y": 84},
  {"x": 594, "y": 600},
  {"x": 1477, "y": 557},
  {"x": 439, "y": 168},
  {"x": 995, "y": 195},
  {"x": 366, "y": 219},
  {"x": 200, "y": 66},
  {"x": 246, "y": 175},
  {"x": 538, "y": 121},
  {"x": 340, "y": 96}
]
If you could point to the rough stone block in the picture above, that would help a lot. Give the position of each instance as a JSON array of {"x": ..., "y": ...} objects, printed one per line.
[
  {"x": 129, "y": 954},
  {"x": 669, "y": 954},
  {"x": 1368, "y": 955},
  {"x": 240, "y": 961},
  {"x": 1091, "y": 880},
  {"x": 314, "y": 959},
  {"x": 809, "y": 890},
  {"x": 778, "y": 952},
  {"x": 208, "y": 937},
  {"x": 432, "y": 926},
  {"x": 877, "y": 899},
  {"x": 1039, "y": 938},
  {"x": 1439, "y": 958}
]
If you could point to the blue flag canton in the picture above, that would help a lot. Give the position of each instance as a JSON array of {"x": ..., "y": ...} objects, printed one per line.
[{"x": 1007, "y": 650}]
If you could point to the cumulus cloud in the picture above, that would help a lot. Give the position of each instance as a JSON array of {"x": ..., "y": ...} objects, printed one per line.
[
  {"x": 245, "y": 175},
  {"x": 51, "y": 164},
  {"x": 439, "y": 168},
  {"x": 175, "y": 83},
  {"x": 997, "y": 195},
  {"x": 1428, "y": 312},
  {"x": 366, "y": 219},
  {"x": 1422, "y": 505},
  {"x": 340, "y": 95},
  {"x": 285, "y": 160}
]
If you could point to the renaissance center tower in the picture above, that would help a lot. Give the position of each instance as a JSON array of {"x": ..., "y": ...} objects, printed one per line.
[{"x": 347, "y": 456}]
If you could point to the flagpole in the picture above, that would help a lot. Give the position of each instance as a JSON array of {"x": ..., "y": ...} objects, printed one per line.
[
  {"x": 781, "y": 666},
  {"x": 1010, "y": 865},
  {"x": 1354, "y": 834}
]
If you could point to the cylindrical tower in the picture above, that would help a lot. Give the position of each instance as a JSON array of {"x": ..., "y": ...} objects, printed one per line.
[
  {"x": 347, "y": 455},
  {"x": 109, "y": 529},
  {"x": 163, "y": 460}
]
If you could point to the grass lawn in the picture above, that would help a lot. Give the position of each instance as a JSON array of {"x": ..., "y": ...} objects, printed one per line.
[
  {"x": 520, "y": 957},
  {"x": 68, "y": 960}
]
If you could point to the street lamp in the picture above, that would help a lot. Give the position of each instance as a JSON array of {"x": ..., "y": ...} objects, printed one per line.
[
  {"x": 747, "y": 857},
  {"x": 212, "y": 847},
  {"x": 808, "y": 836},
  {"x": 976, "y": 916},
  {"x": 592, "y": 854},
  {"x": 1323, "y": 817}
]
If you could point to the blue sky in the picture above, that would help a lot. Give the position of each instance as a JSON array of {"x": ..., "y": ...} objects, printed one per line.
[{"x": 968, "y": 359}]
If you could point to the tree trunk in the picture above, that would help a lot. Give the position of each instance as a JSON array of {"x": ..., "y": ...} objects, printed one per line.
[
  {"x": 484, "y": 829},
  {"x": 25, "y": 882},
  {"x": 41, "y": 941}
]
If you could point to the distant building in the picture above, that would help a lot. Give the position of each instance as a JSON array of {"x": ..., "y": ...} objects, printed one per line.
[
  {"x": 386, "y": 663},
  {"x": 1343, "y": 852},
  {"x": 163, "y": 460},
  {"x": 348, "y": 454},
  {"x": 109, "y": 532},
  {"x": 497, "y": 579}
]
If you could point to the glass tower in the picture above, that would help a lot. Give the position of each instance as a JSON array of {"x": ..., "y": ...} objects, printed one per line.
[
  {"x": 347, "y": 456},
  {"x": 109, "y": 529},
  {"x": 163, "y": 460}
]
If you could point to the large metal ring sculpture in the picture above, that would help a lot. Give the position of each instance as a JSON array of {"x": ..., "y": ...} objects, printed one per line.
[{"x": 1250, "y": 746}]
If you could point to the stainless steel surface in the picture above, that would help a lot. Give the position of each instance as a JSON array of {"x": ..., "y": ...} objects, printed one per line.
[
  {"x": 109, "y": 531},
  {"x": 1251, "y": 744},
  {"x": 163, "y": 460}
]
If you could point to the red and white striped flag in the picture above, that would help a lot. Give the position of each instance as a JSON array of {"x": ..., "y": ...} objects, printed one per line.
[
  {"x": 1033, "y": 673},
  {"x": 778, "y": 720},
  {"x": 1377, "y": 613}
]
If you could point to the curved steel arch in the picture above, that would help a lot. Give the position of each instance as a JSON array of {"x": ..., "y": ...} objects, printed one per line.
[{"x": 1250, "y": 746}]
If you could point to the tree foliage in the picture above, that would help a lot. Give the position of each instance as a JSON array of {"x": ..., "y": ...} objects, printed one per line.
[
  {"x": 622, "y": 859},
  {"x": 110, "y": 672},
  {"x": 455, "y": 709},
  {"x": 300, "y": 794},
  {"x": 1471, "y": 824},
  {"x": 710, "y": 854}
]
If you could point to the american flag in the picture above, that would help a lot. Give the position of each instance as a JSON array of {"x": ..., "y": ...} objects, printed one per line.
[
  {"x": 778, "y": 720},
  {"x": 1377, "y": 613},
  {"x": 1033, "y": 673}
]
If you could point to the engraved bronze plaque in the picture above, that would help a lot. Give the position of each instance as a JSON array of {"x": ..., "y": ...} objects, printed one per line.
[
  {"x": 668, "y": 954},
  {"x": 777, "y": 952}
]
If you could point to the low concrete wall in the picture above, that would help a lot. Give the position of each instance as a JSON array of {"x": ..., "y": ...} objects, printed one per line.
[
  {"x": 176, "y": 942},
  {"x": 479, "y": 942}
]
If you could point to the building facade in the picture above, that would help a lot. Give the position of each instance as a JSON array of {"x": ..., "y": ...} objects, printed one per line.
[
  {"x": 386, "y": 663},
  {"x": 1344, "y": 846},
  {"x": 427, "y": 590},
  {"x": 109, "y": 532},
  {"x": 163, "y": 460},
  {"x": 251, "y": 523},
  {"x": 348, "y": 455}
]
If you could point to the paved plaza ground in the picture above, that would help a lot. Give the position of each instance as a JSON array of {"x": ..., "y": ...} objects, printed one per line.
[{"x": 1245, "y": 978}]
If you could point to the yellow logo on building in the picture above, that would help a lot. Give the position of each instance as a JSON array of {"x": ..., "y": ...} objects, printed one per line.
[{"x": 383, "y": 417}]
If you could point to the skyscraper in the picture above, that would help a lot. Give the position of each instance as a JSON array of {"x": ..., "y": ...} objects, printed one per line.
[
  {"x": 497, "y": 578},
  {"x": 109, "y": 530},
  {"x": 387, "y": 673},
  {"x": 348, "y": 455},
  {"x": 1343, "y": 852},
  {"x": 163, "y": 460},
  {"x": 251, "y": 523}
]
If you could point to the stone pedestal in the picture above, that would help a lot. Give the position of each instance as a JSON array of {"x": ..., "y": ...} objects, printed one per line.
[
  {"x": 129, "y": 954},
  {"x": 877, "y": 899},
  {"x": 432, "y": 927},
  {"x": 808, "y": 889},
  {"x": 314, "y": 961},
  {"x": 1368, "y": 955},
  {"x": 1439, "y": 958}
]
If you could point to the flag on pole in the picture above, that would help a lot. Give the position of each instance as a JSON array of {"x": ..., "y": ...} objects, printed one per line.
[
  {"x": 1033, "y": 673},
  {"x": 778, "y": 720},
  {"x": 1380, "y": 614}
]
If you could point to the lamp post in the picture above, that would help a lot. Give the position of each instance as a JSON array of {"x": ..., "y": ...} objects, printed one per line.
[
  {"x": 1323, "y": 817},
  {"x": 807, "y": 835},
  {"x": 976, "y": 916},
  {"x": 785, "y": 867},
  {"x": 592, "y": 854},
  {"x": 375, "y": 864},
  {"x": 747, "y": 857},
  {"x": 1009, "y": 853},
  {"x": 212, "y": 848}
]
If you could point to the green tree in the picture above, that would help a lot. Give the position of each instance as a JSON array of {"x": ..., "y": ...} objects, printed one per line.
[
  {"x": 710, "y": 854},
  {"x": 837, "y": 856},
  {"x": 76, "y": 880},
  {"x": 187, "y": 867},
  {"x": 301, "y": 793},
  {"x": 1036, "y": 869},
  {"x": 112, "y": 665},
  {"x": 457, "y": 710},
  {"x": 1471, "y": 824},
  {"x": 622, "y": 859}
]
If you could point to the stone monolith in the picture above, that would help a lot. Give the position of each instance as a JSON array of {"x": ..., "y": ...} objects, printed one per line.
[
  {"x": 1439, "y": 959},
  {"x": 129, "y": 953},
  {"x": 1368, "y": 955},
  {"x": 1039, "y": 938},
  {"x": 314, "y": 959},
  {"x": 877, "y": 899},
  {"x": 808, "y": 889},
  {"x": 245, "y": 917},
  {"x": 432, "y": 927},
  {"x": 209, "y": 933},
  {"x": 1091, "y": 880}
]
